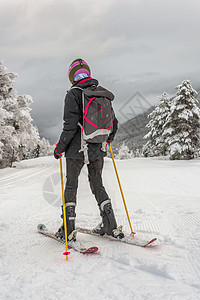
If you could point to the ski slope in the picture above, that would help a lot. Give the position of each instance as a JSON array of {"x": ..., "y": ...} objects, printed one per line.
[{"x": 163, "y": 201}]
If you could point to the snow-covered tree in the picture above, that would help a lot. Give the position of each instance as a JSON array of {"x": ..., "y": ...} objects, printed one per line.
[
  {"x": 124, "y": 152},
  {"x": 156, "y": 145},
  {"x": 8, "y": 100},
  {"x": 26, "y": 133},
  {"x": 45, "y": 147},
  {"x": 2, "y": 123},
  {"x": 181, "y": 129},
  {"x": 17, "y": 134},
  {"x": 137, "y": 153}
]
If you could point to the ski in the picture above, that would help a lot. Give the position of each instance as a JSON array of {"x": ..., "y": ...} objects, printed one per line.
[
  {"x": 41, "y": 228},
  {"x": 127, "y": 239}
]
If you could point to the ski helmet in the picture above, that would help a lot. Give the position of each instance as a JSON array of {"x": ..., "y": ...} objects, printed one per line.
[{"x": 78, "y": 66}]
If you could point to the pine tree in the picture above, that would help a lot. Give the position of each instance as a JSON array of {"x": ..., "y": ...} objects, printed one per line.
[
  {"x": 45, "y": 147},
  {"x": 27, "y": 134},
  {"x": 17, "y": 134},
  {"x": 181, "y": 129},
  {"x": 156, "y": 140},
  {"x": 2, "y": 124},
  {"x": 8, "y": 100},
  {"x": 35, "y": 153},
  {"x": 124, "y": 152}
]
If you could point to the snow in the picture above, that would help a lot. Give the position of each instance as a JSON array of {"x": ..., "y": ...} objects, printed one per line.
[{"x": 163, "y": 201}]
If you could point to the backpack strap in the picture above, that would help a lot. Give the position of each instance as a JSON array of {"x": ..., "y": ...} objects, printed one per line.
[
  {"x": 84, "y": 145},
  {"x": 103, "y": 147},
  {"x": 76, "y": 87}
]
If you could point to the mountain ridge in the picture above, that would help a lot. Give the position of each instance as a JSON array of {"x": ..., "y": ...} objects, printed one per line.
[{"x": 132, "y": 132}]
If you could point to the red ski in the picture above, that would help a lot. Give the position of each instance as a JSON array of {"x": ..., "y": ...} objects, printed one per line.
[{"x": 72, "y": 245}]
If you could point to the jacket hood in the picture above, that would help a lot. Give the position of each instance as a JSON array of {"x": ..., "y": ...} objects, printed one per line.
[{"x": 90, "y": 88}]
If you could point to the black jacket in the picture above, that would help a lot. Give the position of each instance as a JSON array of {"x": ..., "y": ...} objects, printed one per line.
[{"x": 70, "y": 139}]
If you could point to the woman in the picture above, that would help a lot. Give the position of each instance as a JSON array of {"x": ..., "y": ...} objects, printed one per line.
[{"x": 70, "y": 143}]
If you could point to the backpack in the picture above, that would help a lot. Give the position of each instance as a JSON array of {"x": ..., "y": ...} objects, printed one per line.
[{"x": 98, "y": 116}]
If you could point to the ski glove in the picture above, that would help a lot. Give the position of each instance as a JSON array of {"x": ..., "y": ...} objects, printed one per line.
[
  {"x": 57, "y": 155},
  {"x": 110, "y": 139},
  {"x": 112, "y": 134}
]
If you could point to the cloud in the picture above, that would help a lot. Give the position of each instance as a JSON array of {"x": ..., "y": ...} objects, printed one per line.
[{"x": 140, "y": 45}]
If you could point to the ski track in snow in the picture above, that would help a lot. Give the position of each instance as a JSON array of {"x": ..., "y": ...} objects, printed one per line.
[
  {"x": 20, "y": 176},
  {"x": 163, "y": 202}
]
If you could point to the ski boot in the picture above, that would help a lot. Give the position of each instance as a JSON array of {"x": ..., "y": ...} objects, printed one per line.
[
  {"x": 61, "y": 235},
  {"x": 71, "y": 232},
  {"x": 109, "y": 224}
]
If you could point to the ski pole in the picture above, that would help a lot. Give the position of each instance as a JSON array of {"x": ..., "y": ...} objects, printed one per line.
[
  {"x": 120, "y": 187},
  {"x": 64, "y": 210}
]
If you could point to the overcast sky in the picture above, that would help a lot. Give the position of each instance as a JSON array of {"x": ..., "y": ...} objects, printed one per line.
[{"x": 134, "y": 47}]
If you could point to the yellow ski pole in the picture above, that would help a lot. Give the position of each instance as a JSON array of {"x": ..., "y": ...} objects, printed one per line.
[
  {"x": 120, "y": 187},
  {"x": 64, "y": 211}
]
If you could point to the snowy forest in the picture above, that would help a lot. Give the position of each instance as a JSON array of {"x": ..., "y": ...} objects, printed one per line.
[
  {"x": 19, "y": 138},
  {"x": 172, "y": 128}
]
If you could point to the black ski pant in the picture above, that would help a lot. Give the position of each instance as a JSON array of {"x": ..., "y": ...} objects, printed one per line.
[{"x": 95, "y": 168}]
